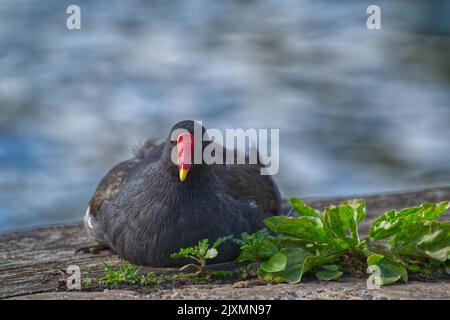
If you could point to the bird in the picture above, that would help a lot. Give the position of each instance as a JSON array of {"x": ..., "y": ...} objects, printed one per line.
[{"x": 149, "y": 206}]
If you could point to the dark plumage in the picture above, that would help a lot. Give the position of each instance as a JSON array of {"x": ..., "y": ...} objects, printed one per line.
[{"x": 144, "y": 212}]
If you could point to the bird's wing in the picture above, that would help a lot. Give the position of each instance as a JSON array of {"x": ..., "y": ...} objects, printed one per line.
[
  {"x": 118, "y": 176},
  {"x": 244, "y": 181}
]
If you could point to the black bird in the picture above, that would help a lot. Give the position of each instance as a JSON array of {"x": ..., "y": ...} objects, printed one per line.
[{"x": 148, "y": 207}]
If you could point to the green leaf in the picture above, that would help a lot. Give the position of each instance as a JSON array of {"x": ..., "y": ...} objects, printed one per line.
[
  {"x": 87, "y": 282},
  {"x": 313, "y": 262},
  {"x": 201, "y": 249},
  {"x": 286, "y": 242},
  {"x": 303, "y": 209},
  {"x": 258, "y": 246},
  {"x": 386, "y": 225},
  {"x": 273, "y": 222},
  {"x": 329, "y": 272},
  {"x": 383, "y": 249},
  {"x": 275, "y": 264},
  {"x": 393, "y": 222},
  {"x": 424, "y": 239},
  {"x": 427, "y": 212},
  {"x": 183, "y": 253},
  {"x": 336, "y": 220},
  {"x": 331, "y": 267},
  {"x": 260, "y": 253},
  {"x": 345, "y": 217},
  {"x": 294, "y": 269},
  {"x": 306, "y": 228},
  {"x": 359, "y": 208},
  {"x": 265, "y": 248},
  {"x": 221, "y": 241},
  {"x": 385, "y": 270},
  {"x": 267, "y": 276},
  {"x": 211, "y": 253},
  {"x": 329, "y": 275}
]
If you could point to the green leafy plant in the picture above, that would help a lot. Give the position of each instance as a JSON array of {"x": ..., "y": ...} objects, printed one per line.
[
  {"x": 329, "y": 243},
  {"x": 200, "y": 254},
  {"x": 255, "y": 248},
  {"x": 86, "y": 282},
  {"x": 127, "y": 274}
]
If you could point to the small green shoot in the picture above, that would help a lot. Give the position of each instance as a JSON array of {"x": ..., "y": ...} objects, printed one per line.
[
  {"x": 127, "y": 274},
  {"x": 86, "y": 282},
  {"x": 200, "y": 254}
]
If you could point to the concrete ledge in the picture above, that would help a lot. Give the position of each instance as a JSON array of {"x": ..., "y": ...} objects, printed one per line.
[{"x": 33, "y": 264}]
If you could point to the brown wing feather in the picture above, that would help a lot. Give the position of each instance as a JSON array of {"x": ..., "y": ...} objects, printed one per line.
[{"x": 116, "y": 178}]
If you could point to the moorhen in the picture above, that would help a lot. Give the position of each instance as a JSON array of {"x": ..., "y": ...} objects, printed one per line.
[{"x": 148, "y": 207}]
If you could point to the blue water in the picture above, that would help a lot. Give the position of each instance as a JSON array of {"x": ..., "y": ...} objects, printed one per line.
[{"x": 359, "y": 111}]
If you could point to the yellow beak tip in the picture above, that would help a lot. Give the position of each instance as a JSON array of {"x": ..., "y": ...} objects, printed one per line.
[{"x": 183, "y": 174}]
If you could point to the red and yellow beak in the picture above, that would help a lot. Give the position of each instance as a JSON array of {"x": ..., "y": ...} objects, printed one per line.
[{"x": 185, "y": 148}]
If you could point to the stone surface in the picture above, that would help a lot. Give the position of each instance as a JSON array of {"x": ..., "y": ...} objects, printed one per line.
[
  {"x": 33, "y": 265},
  {"x": 347, "y": 289}
]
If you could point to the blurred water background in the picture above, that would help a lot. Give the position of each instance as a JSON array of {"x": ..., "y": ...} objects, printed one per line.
[{"x": 359, "y": 111}]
